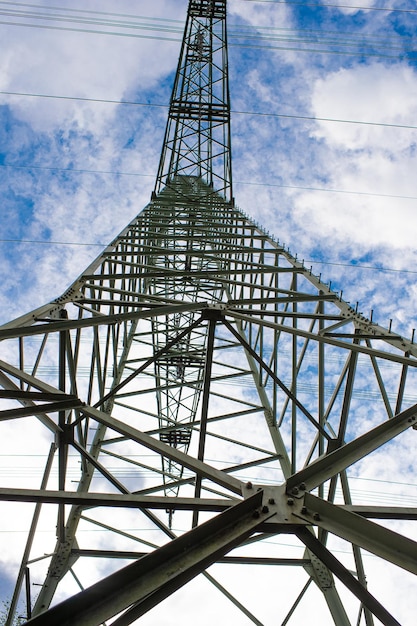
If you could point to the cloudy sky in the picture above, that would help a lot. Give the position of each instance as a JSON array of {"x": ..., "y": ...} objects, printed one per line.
[
  {"x": 76, "y": 166},
  {"x": 324, "y": 132}
]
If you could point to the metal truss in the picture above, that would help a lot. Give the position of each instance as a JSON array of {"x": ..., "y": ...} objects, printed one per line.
[
  {"x": 196, "y": 393},
  {"x": 197, "y": 138}
]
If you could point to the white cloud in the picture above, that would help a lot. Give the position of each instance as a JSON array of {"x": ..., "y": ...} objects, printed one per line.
[
  {"x": 358, "y": 6},
  {"x": 81, "y": 64},
  {"x": 370, "y": 93},
  {"x": 364, "y": 158}
]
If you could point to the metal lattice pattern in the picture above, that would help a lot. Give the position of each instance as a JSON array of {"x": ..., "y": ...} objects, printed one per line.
[
  {"x": 197, "y": 384},
  {"x": 197, "y": 138}
]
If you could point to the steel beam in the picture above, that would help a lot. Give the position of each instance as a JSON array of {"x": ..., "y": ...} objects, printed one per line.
[
  {"x": 156, "y": 576},
  {"x": 333, "y": 463},
  {"x": 359, "y": 531},
  {"x": 99, "y": 320},
  {"x": 165, "y": 450},
  {"x": 339, "y": 570},
  {"x": 90, "y": 499}
]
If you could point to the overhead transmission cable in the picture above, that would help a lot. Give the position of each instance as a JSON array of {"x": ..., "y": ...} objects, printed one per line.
[
  {"x": 235, "y": 112},
  {"x": 237, "y": 182},
  {"x": 334, "y": 6},
  {"x": 265, "y": 35},
  {"x": 234, "y": 31},
  {"x": 374, "y": 268},
  {"x": 283, "y": 2}
]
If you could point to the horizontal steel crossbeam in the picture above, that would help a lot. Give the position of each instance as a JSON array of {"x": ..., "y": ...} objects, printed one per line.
[{"x": 88, "y": 500}]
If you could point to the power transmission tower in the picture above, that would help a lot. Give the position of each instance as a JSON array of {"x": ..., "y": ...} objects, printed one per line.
[{"x": 198, "y": 392}]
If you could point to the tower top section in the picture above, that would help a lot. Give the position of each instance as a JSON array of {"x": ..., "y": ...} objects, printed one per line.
[{"x": 197, "y": 137}]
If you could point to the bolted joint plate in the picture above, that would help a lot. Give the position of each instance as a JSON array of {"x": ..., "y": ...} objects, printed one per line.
[
  {"x": 213, "y": 312},
  {"x": 277, "y": 505}
]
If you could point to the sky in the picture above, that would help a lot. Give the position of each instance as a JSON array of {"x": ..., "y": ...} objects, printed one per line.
[
  {"x": 340, "y": 194},
  {"x": 324, "y": 137}
]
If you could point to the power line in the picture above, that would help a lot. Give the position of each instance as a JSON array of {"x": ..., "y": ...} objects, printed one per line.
[
  {"x": 328, "y": 190},
  {"x": 88, "y": 11},
  {"x": 173, "y": 26},
  {"x": 235, "y": 112},
  {"x": 237, "y": 182},
  {"x": 170, "y": 25},
  {"x": 359, "y": 53},
  {"x": 337, "y": 6},
  {"x": 75, "y": 170},
  {"x": 284, "y": 2},
  {"x": 315, "y": 261}
]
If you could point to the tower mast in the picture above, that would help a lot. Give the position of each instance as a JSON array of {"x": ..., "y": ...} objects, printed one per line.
[{"x": 197, "y": 138}]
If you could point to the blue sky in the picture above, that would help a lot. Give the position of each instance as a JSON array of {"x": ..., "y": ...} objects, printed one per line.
[
  {"x": 286, "y": 59},
  {"x": 309, "y": 61},
  {"x": 76, "y": 167}
]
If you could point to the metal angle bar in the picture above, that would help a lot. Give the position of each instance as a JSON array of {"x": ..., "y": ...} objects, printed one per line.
[
  {"x": 357, "y": 553},
  {"x": 297, "y": 602},
  {"x": 332, "y": 342},
  {"x": 190, "y": 480},
  {"x": 62, "y": 440},
  {"x": 89, "y": 500},
  {"x": 117, "y": 531},
  {"x": 232, "y": 598},
  {"x": 295, "y": 297},
  {"x": 157, "y": 575},
  {"x": 327, "y": 558},
  {"x": 162, "y": 272},
  {"x": 140, "y": 608},
  {"x": 381, "y": 385},
  {"x": 136, "y": 555},
  {"x": 99, "y": 320},
  {"x": 149, "y": 361},
  {"x": 217, "y": 476},
  {"x": 29, "y": 542},
  {"x": 333, "y": 463},
  {"x": 28, "y": 379},
  {"x": 383, "y": 512},
  {"x": 226, "y": 560},
  {"x": 347, "y": 397},
  {"x": 275, "y": 378},
  {"x": 34, "y": 395},
  {"x": 52, "y": 407},
  {"x": 46, "y": 421},
  {"x": 98, "y": 466},
  {"x": 377, "y": 539},
  {"x": 290, "y": 314},
  {"x": 204, "y": 409}
]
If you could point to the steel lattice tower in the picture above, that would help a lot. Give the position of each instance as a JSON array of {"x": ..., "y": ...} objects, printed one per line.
[{"x": 196, "y": 351}]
